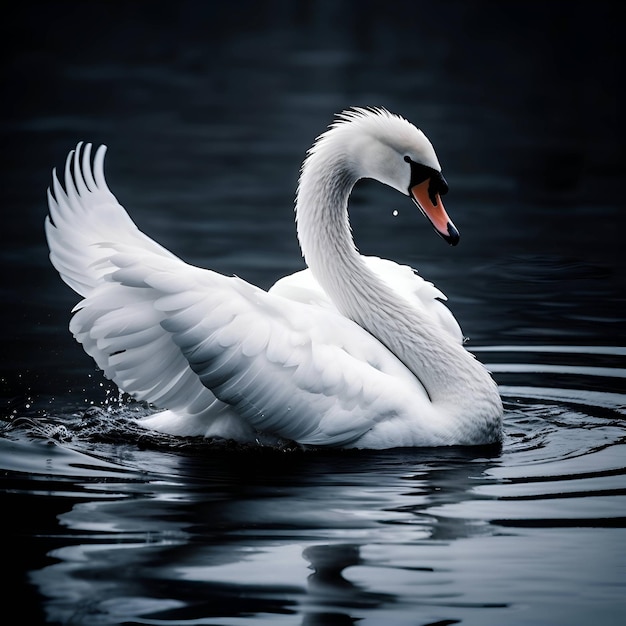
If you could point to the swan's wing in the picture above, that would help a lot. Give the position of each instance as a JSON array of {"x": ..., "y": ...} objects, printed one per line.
[
  {"x": 120, "y": 329},
  {"x": 84, "y": 217},
  {"x": 422, "y": 293},
  {"x": 289, "y": 369},
  {"x": 181, "y": 337},
  {"x": 302, "y": 287}
]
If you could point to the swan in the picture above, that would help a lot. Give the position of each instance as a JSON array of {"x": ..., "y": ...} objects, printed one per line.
[{"x": 352, "y": 352}]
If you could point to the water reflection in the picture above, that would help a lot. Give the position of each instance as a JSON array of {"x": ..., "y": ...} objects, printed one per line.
[
  {"x": 329, "y": 591},
  {"x": 202, "y": 538}
]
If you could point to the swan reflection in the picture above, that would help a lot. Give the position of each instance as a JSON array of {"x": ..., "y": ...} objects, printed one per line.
[
  {"x": 329, "y": 591},
  {"x": 306, "y": 536}
]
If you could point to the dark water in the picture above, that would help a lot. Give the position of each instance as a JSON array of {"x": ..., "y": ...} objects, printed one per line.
[{"x": 207, "y": 111}]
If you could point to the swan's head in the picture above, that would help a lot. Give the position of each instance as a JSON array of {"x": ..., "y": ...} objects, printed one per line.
[{"x": 377, "y": 144}]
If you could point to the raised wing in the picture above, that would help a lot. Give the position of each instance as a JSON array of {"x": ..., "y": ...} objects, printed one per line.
[
  {"x": 84, "y": 218},
  {"x": 119, "y": 328},
  {"x": 157, "y": 328},
  {"x": 205, "y": 346}
]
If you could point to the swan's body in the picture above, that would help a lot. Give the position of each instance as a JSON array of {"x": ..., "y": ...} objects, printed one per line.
[{"x": 353, "y": 352}]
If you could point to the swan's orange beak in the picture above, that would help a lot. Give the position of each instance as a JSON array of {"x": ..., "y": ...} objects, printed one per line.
[{"x": 432, "y": 207}]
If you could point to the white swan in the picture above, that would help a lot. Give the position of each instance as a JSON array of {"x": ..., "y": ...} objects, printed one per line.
[{"x": 353, "y": 352}]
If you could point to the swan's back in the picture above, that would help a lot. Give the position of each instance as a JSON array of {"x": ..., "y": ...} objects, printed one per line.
[{"x": 405, "y": 281}]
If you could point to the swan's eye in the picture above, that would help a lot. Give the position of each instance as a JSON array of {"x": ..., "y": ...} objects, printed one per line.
[{"x": 407, "y": 159}]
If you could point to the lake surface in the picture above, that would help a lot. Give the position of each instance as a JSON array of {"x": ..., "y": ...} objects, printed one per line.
[{"x": 208, "y": 111}]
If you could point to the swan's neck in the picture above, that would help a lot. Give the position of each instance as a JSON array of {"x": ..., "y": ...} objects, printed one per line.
[{"x": 450, "y": 374}]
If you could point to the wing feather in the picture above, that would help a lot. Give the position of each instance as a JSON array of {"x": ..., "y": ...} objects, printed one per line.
[{"x": 285, "y": 366}]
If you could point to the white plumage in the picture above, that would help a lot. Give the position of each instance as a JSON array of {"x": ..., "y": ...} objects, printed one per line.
[{"x": 354, "y": 352}]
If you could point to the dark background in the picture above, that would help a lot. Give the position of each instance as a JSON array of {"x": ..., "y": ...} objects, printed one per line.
[{"x": 209, "y": 107}]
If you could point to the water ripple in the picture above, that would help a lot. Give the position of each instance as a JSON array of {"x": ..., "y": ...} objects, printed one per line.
[{"x": 155, "y": 529}]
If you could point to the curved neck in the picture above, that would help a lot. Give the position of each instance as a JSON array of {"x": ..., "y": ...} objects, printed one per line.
[{"x": 433, "y": 356}]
